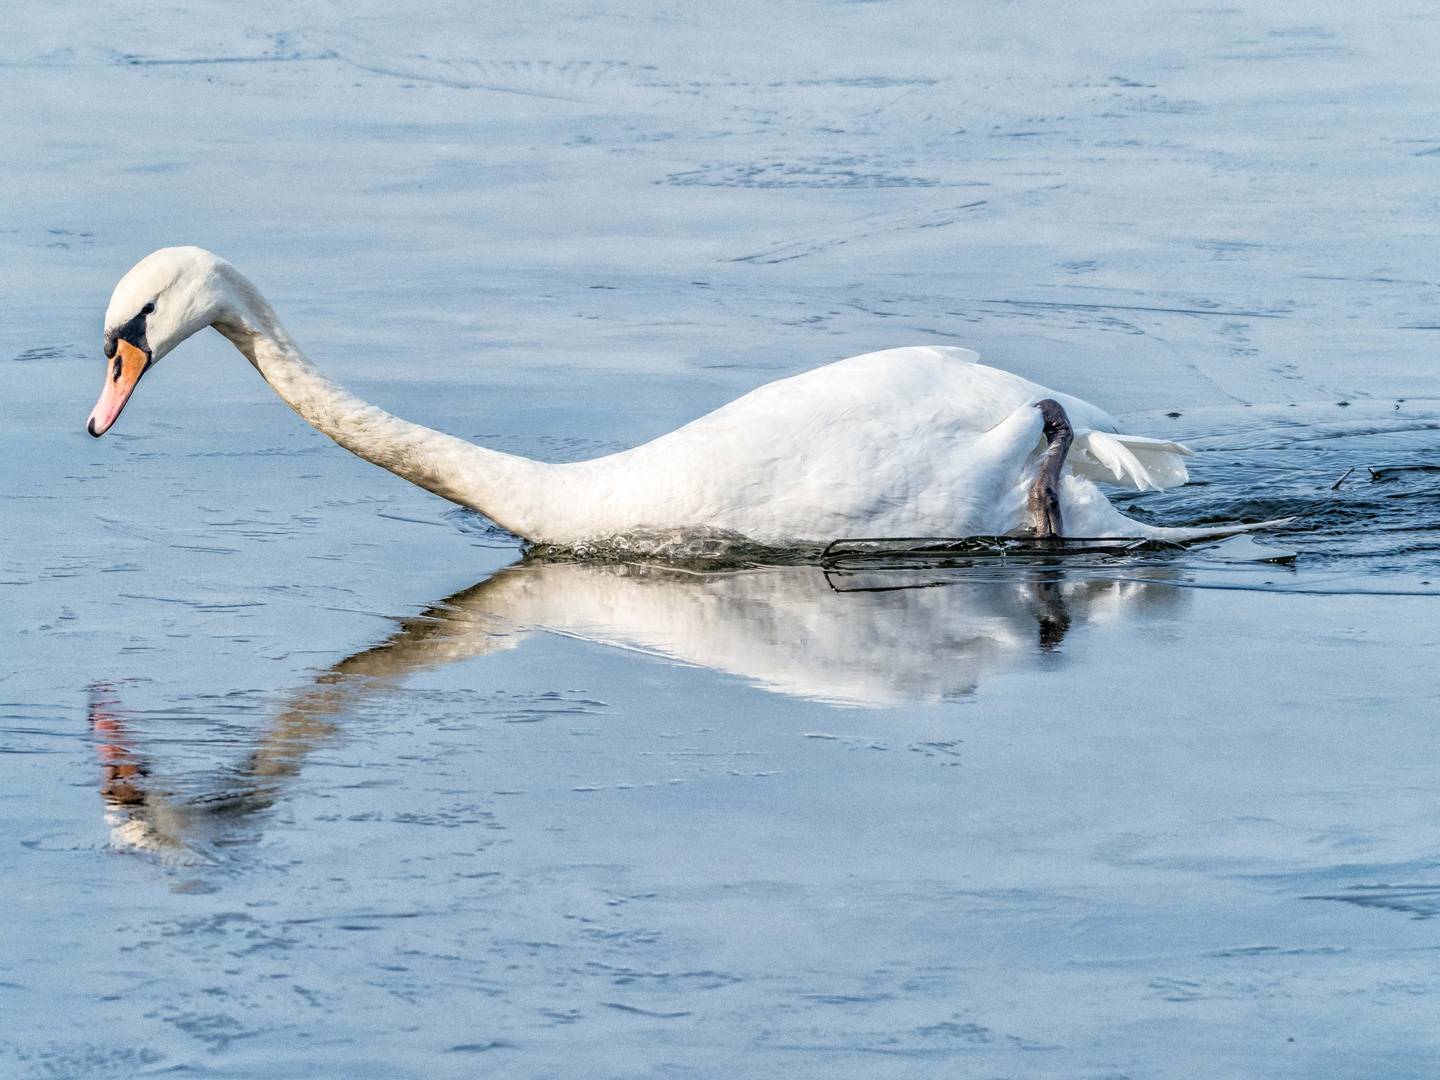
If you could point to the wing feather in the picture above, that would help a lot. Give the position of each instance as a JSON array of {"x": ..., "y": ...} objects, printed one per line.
[{"x": 1128, "y": 460}]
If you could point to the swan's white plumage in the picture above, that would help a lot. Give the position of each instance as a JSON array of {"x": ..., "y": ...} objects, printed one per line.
[
  {"x": 919, "y": 441},
  {"x": 1129, "y": 460}
]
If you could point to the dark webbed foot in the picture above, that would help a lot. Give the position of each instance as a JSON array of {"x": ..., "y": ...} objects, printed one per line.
[{"x": 1045, "y": 492}]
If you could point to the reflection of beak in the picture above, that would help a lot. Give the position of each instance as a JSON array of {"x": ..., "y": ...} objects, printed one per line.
[
  {"x": 124, "y": 772},
  {"x": 120, "y": 378}
]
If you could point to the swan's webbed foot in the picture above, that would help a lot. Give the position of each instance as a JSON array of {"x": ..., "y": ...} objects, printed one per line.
[{"x": 1045, "y": 492}]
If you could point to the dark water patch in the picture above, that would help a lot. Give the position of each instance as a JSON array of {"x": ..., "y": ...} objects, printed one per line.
[
  {"x": 448, "y": 819},
  {"x": 1275, "y": 950},
  {"x": 216, "y": 1030},
  {"x": 41, "y": 352},
  {"x": 1417, "y": 901},
  {"x": 482, "y": 531},
  {"x": 144, "y": 61},
  {"x": 644, "y": 1012},
  {"x": 360, "y": 920},
  {"x": 848, "y": 999},
  {"x": 1361, "y": 485},
  {"x": 80, "y": 1060},
  {"x": 625, "y": 976},
  {"x": 844, "y": 172}
]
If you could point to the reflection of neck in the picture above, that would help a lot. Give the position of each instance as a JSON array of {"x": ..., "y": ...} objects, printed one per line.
[
  {"x": 493, "y": 483},
  {"x": 150, "y": 817}
]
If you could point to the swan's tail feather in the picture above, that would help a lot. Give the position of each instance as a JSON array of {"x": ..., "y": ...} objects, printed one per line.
[
  {"x": 1129, "y": 460},
  {"x": 1186, "y": 535}
]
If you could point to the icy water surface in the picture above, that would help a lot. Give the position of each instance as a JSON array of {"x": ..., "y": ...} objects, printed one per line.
[{"x": 309, "y": 774}]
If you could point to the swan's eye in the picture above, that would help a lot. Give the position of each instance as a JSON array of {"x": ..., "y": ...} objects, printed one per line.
[{"x": 148, "y": 308}]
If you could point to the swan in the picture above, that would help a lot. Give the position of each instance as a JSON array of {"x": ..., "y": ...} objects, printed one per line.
[{"x": 908, "y": 442}]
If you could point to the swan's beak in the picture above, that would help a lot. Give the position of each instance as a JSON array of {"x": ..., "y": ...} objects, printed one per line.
[{"x": 121, "y": 376}]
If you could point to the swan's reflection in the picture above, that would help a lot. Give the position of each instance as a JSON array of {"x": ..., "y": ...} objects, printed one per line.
[{"x": 868, "y": 639}]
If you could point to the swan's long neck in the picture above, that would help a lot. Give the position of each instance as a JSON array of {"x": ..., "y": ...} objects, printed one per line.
[{"x": 501, "y": 486}]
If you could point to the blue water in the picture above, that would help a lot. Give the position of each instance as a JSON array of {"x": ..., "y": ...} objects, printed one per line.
[{"x": 307, "y": 774}]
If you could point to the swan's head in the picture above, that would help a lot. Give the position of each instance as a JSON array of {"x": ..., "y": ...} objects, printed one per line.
[{"x": 164, "y": 299}]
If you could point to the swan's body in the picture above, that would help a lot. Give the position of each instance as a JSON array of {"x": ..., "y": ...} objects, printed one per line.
[{"x": 921, "y": 441}]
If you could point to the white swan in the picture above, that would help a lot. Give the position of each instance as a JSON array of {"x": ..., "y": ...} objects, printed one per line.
[{"x": 918, "y": 441}]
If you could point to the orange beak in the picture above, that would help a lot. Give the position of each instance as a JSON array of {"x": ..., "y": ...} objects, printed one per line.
[{"x": 120, "y": 379}]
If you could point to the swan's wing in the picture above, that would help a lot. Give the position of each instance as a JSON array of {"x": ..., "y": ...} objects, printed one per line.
[
  {"x": 1128, "y": 460},
  {"x": 1143, "y": 444}
]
